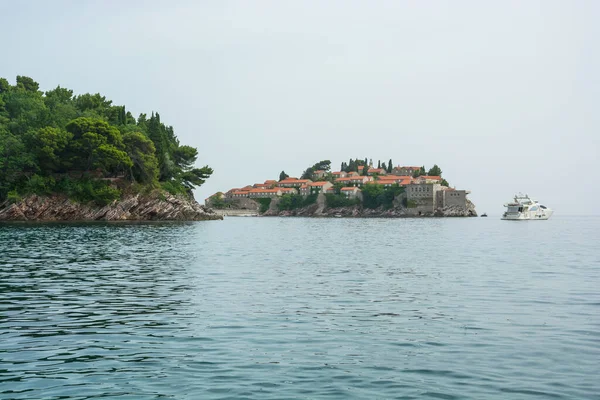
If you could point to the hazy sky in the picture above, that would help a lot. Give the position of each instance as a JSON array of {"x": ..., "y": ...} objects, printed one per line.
[{"x": 503, "y": 96}]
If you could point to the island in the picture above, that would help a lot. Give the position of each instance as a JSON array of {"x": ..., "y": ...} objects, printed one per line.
[
  {"x": 66, "y": 157},
  {"x": 358, "y": 189}
]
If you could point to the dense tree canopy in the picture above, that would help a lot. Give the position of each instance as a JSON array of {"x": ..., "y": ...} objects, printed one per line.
[
  {"x": 324, "y": 165},
  {"x": 47, "y": 137}
]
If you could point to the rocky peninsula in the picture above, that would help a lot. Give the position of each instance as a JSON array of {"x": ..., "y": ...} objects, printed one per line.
[
  {"x": 358, "y": 189},
  {"x": 66, "y": 157},
  {"x": 137, "y": 207},
  {"x": 319, "y": 209}
]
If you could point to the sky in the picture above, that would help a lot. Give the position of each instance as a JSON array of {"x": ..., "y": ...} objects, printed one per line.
[{"x": 503, "y": 96}]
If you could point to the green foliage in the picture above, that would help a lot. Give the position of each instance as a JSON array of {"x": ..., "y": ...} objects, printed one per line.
[
  {"x": 294, "y": 201},
  {"x": 13, "y": 197},
  {"x": 410, "y": 203},
  {"x": 25, "y": 82},
  {"x": 41, "y": 185},
  {"x": 445, "y": 182},
  {"x": 389, "y": 167},
  {"x": 283, "y": 176},
  {"x": 337, "y": 200},
  {"x": 141, "y": 151},
  {"x": 42, "y": 134},
  {"x": 216, "y": 201},
  {"x": 375, "y": 195},
  {"x": 419, "y": 172},
  {"x": 174, "y": 187},
  {"x": 88, "y": 190},
  {"x": 435, "y": 171},
  {"x": 337, "y": 187},
  {"x": 264, "y": 204},
  {"x": 324, "y": 165},
  {"x": 47, "y": 145}
]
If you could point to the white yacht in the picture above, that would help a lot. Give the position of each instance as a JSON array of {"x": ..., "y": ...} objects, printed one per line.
[{"x": 524, "y": 208}]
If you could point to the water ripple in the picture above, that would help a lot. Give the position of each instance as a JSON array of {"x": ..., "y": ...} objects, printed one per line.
[{"x": 289, "y": 308}]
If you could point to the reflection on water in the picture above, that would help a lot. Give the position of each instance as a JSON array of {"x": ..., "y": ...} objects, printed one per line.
[{"x": 300, "y": 308}]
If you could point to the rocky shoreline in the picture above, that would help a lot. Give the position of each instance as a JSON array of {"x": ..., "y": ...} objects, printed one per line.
[
  {"x": 319, "y": 209},
  {"x": 152, "y": 207}
]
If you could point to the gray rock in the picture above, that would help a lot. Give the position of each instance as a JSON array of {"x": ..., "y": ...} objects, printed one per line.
[{"x": 153, "y": 207}]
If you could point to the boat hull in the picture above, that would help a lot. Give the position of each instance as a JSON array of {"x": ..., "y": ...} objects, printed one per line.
[{"x": 528, "y": 216}]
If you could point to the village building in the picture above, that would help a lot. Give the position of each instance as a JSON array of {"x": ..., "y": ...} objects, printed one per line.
[
  {"x": 304, "y": 190},
  {"x": 376, "y": 171},
  {"x": 350, "y": 192},
  {"x": 405, "y": 170},
  {"x": 428, "y": 179},
  {"x": 319, "y": 174},
  {"x": 293, "y": 182},
  {"x": 339, "y": 174},
  {"x": 288, "y": 191},
  {"x": 355, "y": 180},
  {"x": 318, "y": 187},
  {"x": 239, "y": 193},
  {"x": 255, "y": 193}
]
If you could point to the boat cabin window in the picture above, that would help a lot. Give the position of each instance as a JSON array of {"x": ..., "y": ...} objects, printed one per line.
[{"x": 542, "y": 207}]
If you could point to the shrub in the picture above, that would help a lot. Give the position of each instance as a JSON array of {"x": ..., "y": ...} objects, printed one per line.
[
  {"x": 106, "y": 195},
  {"x": 336, "y": 200},
  {"x": 294, "y": 201},
  {"x": 13, "y": 197},
  {"x": 173, "y": 187},
  {"x": 264, "y": 203},
  {"x": 41, "y": 185}
]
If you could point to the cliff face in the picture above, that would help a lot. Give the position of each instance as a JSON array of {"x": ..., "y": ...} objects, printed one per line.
[{"x": 163, "y": 207}]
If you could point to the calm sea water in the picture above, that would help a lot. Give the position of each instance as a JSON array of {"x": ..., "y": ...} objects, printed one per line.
[{"x": 286, "y": 308}]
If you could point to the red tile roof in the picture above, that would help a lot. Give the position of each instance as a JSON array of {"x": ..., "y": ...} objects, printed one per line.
[
  {"x": 346, "y": 189},
  {"x": 318, "y": 183},
  {"x": 264, "y": 190},
  {"x": 294, "y": 180}
]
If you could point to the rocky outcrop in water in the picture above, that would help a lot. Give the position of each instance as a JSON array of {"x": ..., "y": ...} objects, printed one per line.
[{"x": 154, "y": 207}]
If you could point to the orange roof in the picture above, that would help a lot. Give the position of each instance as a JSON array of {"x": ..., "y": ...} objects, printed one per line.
[
  {"x": 264, "y": 190},
  {"x": 361, "y": 166},
  {"x": 241, "y": 192},
  {"x": 268, "y": 181},
  {"x": 318, "y": 183},
  {"x": 437, "y": 178},
  {"x": 346, "y": 189},
  {"x": 294, "y": 180},
  {"x": 338, "y": 172},
  {"x": 303, "y": 187},
  {"x": 375, "y": 170},
  {"x": 350, "y": 178}
]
